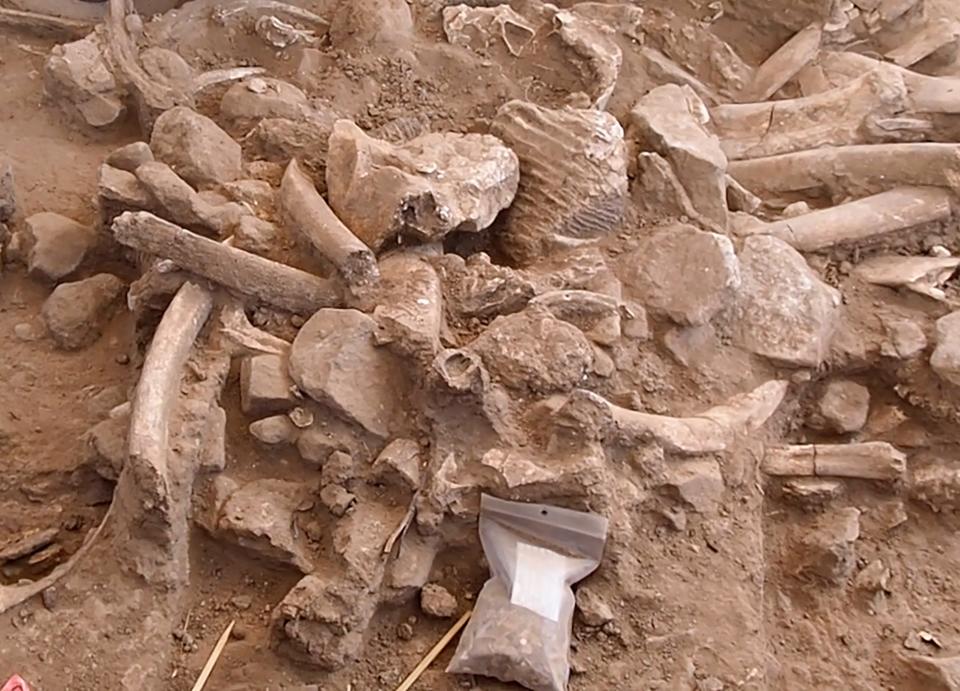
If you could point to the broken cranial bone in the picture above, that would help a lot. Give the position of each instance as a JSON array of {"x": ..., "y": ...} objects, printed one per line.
[
  {"x": 709, "y": 432},
  {"x": 924, "y": 275},
  {"x": 859, "y": 220},
  {"x": 462, "y": 22},
  {"x": 250, "y": 274},
  {"x": 858, "y": 170},
  {"x": 872, "y": 460}
]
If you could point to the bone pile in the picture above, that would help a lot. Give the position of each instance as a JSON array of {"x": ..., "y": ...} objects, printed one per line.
[{"x": 420, "y": 315}]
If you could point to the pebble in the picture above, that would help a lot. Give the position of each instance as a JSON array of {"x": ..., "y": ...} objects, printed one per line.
[
  {"x": 49, "y": 597},
  {"x": 404, "y": 631}
]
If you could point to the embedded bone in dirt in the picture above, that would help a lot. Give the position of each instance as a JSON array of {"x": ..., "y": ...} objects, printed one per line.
[{"x": 690, "y": 266}]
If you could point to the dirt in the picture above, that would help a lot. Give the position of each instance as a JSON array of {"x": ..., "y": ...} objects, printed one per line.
[{"x": 521, "y": 357}]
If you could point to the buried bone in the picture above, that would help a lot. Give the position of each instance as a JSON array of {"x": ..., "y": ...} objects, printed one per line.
[
  {"x": 874, "y": 460},
  {"x": 923, "y": 275}
]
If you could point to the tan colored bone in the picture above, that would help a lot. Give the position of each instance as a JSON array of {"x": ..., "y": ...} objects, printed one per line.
[
  {"x": 856, "y": 171},
  {"x": 873, "y": 460},
  {"x": 49, "y": 25},
  {"x": 245, "y": 337},
  {"x": 307, "y": 211},
  {"x": 783, "y": 65},
  {"x": 274, "y": 283},
  {"x": 931, "y": 37},
  {"x": 923, "y": 275},
  {"x": 840, "y": 116},
  {"x": 709, "y": 432},
  {"x": 860, "y": 220}
]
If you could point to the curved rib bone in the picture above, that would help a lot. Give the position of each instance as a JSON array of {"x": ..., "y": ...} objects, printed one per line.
[
  {"x": 246, "y": 273},
  {"x": 860, "y": 220},
  {"x": 709, "y": 432},
  {"x": 145, "y": 498}
]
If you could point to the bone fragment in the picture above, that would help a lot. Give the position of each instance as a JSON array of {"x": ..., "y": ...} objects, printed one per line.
[
  {"x": 710, "y": 432},
  {"x": 245, "y": 337},
  {"x": 922, "y": 275},
  {"x": 783, "y": 65},
  {"x": 873, "y": 460},
  {"x": 274, "y": 283},
  {"x": 49, "y": 25},
  {"x": 860, "y": 220},
  {"x": 307, "y": 211},
  {"x": 837, "y": 117},
  {"x": 852, "y": 170},
  {"x": 231, "y": 74},
  {"x": 931, "y": 37}
]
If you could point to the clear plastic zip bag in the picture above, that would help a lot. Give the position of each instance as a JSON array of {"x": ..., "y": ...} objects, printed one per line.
[{"x": 521, "y": 624}]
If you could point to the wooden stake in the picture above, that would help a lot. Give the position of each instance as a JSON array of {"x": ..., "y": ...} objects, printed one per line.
[
  {"x": 435, "y": 651},
  {"x": 214, "y": 656}
]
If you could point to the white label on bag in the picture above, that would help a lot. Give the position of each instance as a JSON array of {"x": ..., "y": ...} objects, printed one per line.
[{"x": 539, "y": 581}]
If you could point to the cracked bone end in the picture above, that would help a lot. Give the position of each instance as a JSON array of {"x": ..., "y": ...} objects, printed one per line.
[{"x": 875, "y": 460}]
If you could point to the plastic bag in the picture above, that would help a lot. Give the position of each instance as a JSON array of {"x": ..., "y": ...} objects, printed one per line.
[{"x": 521, "y": 624}]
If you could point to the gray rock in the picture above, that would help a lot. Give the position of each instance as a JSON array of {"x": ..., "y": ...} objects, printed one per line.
[
  {"x": 476, "y": 287},
  {"x": 78, "y": 77},
  {"x": 260, "y": 517},
  {"x": 409, "y": 572},
  {"x": 195, "y": 147},
  {"x": 905, "y": 339},
  {"x": 938, "y": 486},
  {"x": 256, "y": 235},
  {"x": 76, "y": 313},
  {"x": 57, "y": 244},
  {"x": 945, "y": 360},
  {"x": 437, "y": 601},
  {"x": 692, "y": 346},
  {"x": 399, "y": 464},
  {"x": 422, "y": 189},
  {"x": 332, "y": 435},
  {"x": 935, "y": 673},
  {"x": 534, "y": 350},
  {"x": 180, "y": 203},
  {"x": 783, "y": 310},
  {"x": 337, "y": 499},
  {"x": 359, "y": 537},
  {"x": 119, "y": 191},
  {"x": 668, "y": 120},
  {"x": 263, "y": 97},
  {"x": 130, "y": 157},
  {"x": 277, "y": 429},
  {"x": 698, "y": 483},
  {"x": 335, "y": 362},
  {"x": 687, "y": 274},
  {"x": 827, "y": 548},
  {"x": 812, "y": 492},
  {"x": 843, "y": 407},
  {"x": 593, "y": 608},
  {"x": 265, "y": 385},
  {"x": 108, "y": 439},
  {"x": 259, "y": 195},
  {"x": 658, "y": 194},
  {"x": 8, "y": 194}
]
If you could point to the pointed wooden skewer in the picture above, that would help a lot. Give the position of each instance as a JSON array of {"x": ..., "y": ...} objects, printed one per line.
[
  {"x": 434, "y": 652},
  {"x": 214, "y": 656}
]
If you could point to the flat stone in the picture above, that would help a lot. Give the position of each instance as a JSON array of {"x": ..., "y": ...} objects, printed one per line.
[
  {"x": 78, "y": 77},
  {"x": 119, "y": 191},
  {"x": 265, "y": 385},
  {"x": 844, "y": 407},
  {"x": 692, "y": 346},
  {"x": 935, "y": 673},
  {"x": 130, "y": 156},
  {"x": 108, "y": 438},
  {"x": 410, "y": 571},
  {"x": 437, "y": 601},
  {"x": 938, "y": 486},
  {"x": 399, "y": 464},
  {"x": 26, "y": 543},
  {"x": 256, "y": 235},
  {"x": 263, "y": 97},
  {"x": 359, "y": 538},
  {"x": 76, "y": 313},
  {"x": 812, "y": 492},
  {"x": 335, "y": 362},
  {"x": 595, "y": 314},
  {"x": 260, "y": 517},
  {"x": 698, "y": 483},
  {"x": 534, "y": 350},
  {"x": 421, "y": 189},
  {"x": 945, "y": 360},
  {"x": 687, "y": 274},
  {"x": 333, "y": 435},
  {"x": 827, "y": 548},
  {"x": 783, "y": 310},
  {"x": 8, "y": 193},
  {"x": 195, "y": 147},
  {"x": 669, "y": 121},
  {"x": 276, "y": 429},
  {"x": 905, "y": 338},
  {"x": 593, "y": 607},
  {"x": 57, "y": 244}
]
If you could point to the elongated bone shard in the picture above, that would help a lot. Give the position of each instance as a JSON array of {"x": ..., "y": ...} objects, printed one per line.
[
  {"x": 872, "y": 460},
  {"x": 274, "y": 283},
  {"x": 59, "y": 28},
  {"x": 860, "y": 220},
  {"x": 307, "y": 211},
  {"x": 855, "y": 170},
  {"x": 931, "y": 37},
  {"x": 783, "y": 65}
]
